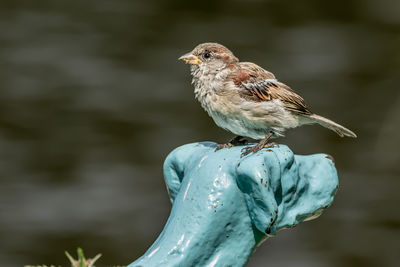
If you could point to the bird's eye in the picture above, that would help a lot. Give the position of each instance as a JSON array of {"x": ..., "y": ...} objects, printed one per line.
[{"x": 207, "y": 55}]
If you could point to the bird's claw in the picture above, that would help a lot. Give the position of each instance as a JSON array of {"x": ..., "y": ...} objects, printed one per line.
[
  {"x": 221, "y": 146},
  {"x": 250, "y": 149},
  {"x": 253, "y": 149},
  {"x": 270, "y": 145}
]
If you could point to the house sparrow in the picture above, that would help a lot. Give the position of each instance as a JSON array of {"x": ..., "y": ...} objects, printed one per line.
[{"x": 247, "y": 100}]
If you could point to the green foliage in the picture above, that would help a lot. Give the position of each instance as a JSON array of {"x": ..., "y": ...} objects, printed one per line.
[{"x": 80, "y": 262}]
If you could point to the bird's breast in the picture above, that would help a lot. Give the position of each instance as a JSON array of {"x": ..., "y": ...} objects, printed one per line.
[
  {"x": 209, "y": 91},
  {"x": 220, "y": 105}
]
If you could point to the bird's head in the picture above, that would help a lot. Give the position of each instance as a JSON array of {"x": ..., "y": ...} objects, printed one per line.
[{"x": 210, "y": 57}]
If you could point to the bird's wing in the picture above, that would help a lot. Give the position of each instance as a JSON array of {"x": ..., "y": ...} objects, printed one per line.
[{"x": 257, "y": 84}]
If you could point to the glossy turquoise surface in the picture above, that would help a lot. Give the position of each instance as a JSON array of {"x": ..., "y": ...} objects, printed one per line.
[{"x": 225, "y": 205}]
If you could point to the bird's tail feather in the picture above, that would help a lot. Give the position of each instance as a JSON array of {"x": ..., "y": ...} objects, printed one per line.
[{"x": 339, "y": 129}]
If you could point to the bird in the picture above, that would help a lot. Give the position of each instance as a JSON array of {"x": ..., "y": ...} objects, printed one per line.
[{"x": 247, "y": 100}]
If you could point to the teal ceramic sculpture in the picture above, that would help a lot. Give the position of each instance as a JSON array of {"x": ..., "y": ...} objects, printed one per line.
[{"x": 225, "y": 205}]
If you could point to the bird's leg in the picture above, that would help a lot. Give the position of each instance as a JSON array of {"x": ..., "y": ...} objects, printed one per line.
[
  {"x": 234, "y": 142},
  {"x": 263, "y": 143}
]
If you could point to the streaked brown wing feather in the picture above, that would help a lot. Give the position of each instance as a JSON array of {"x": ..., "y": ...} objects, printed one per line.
[
  {"x": 259, "y": 85},
  {"x": 290, "y": 99}
]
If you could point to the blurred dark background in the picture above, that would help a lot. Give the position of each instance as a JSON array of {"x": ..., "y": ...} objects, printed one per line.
[{"x": 92, "y": 99}]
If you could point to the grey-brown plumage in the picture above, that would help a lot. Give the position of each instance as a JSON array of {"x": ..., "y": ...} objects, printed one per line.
[{"x": 247, "y": 100}]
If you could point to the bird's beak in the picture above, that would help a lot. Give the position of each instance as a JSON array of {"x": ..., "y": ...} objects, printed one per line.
[{"x": 190, "y": 59}]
